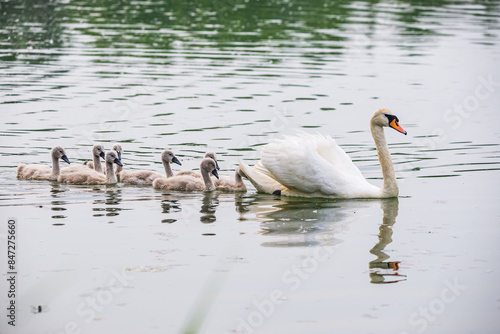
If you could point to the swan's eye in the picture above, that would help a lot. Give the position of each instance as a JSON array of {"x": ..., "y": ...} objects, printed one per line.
[{"x": 391, "y": 118}]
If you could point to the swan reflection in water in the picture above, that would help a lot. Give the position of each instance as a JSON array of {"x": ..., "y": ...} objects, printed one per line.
[
  {"x": 58, "y": 204},
  {"x": 209, "y": 205},
  {"x": 380, "y": 268},
  {"x": 172, "y": 203},
  {"x": 112, "y": 199},
  {"x": 293, "y": 222}
]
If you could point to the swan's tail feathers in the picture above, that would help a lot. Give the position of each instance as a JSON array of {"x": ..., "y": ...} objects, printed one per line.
[{"x": 260, "y": 177}]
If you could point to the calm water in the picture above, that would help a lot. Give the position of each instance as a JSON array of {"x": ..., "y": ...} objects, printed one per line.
[{"x": 229, "y": 76}]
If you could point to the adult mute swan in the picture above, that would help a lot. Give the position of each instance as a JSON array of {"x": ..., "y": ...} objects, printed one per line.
[
  {"x": 188, "y": 182},
  {"x": 146, "y": 177},
  {"x": 315, "y": 166},
  {"x": 43, "y": 172},
  {"x": 90, "y": 176}
]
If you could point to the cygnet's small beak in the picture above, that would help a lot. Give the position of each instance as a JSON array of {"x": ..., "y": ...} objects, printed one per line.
[
  {"x": 175, "y": 160},
  {"x": 65, "y": 158},
  {"x": 395, "y": 125},
  {"x": 217, "y": 165},
  {"x": 215, "y": 173},
  {"x": 102, "y": 155},
  {"x": 118, "y": 162}
]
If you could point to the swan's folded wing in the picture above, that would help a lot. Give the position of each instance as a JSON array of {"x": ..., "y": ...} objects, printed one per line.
[
  {"x": 311, "y": 164},
  {"x": 328, "y": 149}
]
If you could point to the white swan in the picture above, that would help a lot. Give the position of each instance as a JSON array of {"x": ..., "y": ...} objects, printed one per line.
[
  {"x": 43, "y": 172},
  {"x": 90, "y": 176},
  {"x": 227, "y": 183},
  {"x": 315, "y": 166},
  {"x": 210, "y": 155},
  {"x": 188, "y": 182},
  {"x": 146, "y": 177}
]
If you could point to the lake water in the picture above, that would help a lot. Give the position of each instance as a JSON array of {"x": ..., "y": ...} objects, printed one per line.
[{"x": 229, "y": 76}]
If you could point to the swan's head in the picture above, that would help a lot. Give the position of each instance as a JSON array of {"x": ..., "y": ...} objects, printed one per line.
[
  {"x": 212, "y": 156},
  {"x": 209, "y": 166},
  {"x": 119, "y": 150},
  {"x": 169, "y": 156},
  {"x": 385, "y": 117},
  {"x": 98, "y": 150},
  {"x": 59, "y": 153},
  {"x": 112, "y": 157}
]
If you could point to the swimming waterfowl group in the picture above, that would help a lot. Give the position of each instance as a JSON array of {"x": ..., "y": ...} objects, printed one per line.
[
  {"x": 92, "y": 173},
  {"x": 281, "y": 170}
]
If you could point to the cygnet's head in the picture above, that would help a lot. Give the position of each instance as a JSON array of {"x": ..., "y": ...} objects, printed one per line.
[
  {"x": 169, "y": 156},
  {"x": 119, "y": 150},
  {"x": 212, "y": 156},
  {"x": 98, "y": 150},
  {"x": 59, "y": 153},
  {"x": 385, "y": 117},
  {"x": 209, "y": 166},
  {"x": 112, "y": 157}
]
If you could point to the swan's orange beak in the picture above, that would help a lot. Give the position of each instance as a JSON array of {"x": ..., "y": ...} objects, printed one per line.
[{"x": 395, "y": 125}]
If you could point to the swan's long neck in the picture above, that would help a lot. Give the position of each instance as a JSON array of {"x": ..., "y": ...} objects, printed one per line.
[
  {"x": 168, "y": 169},
  {"x": 390, "y": 187},
  {"x": 97, "y": 163},
  {"x": 238, "y": 179},
  {"x": 110, "y": 173},
  {"x": 209, "y": 185},
  {"x": 118, "y": 169},
  {"x": 55, "y": 166}
]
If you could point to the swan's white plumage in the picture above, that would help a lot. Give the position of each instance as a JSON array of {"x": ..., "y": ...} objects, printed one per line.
[{"x": 315, "y": 166}]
